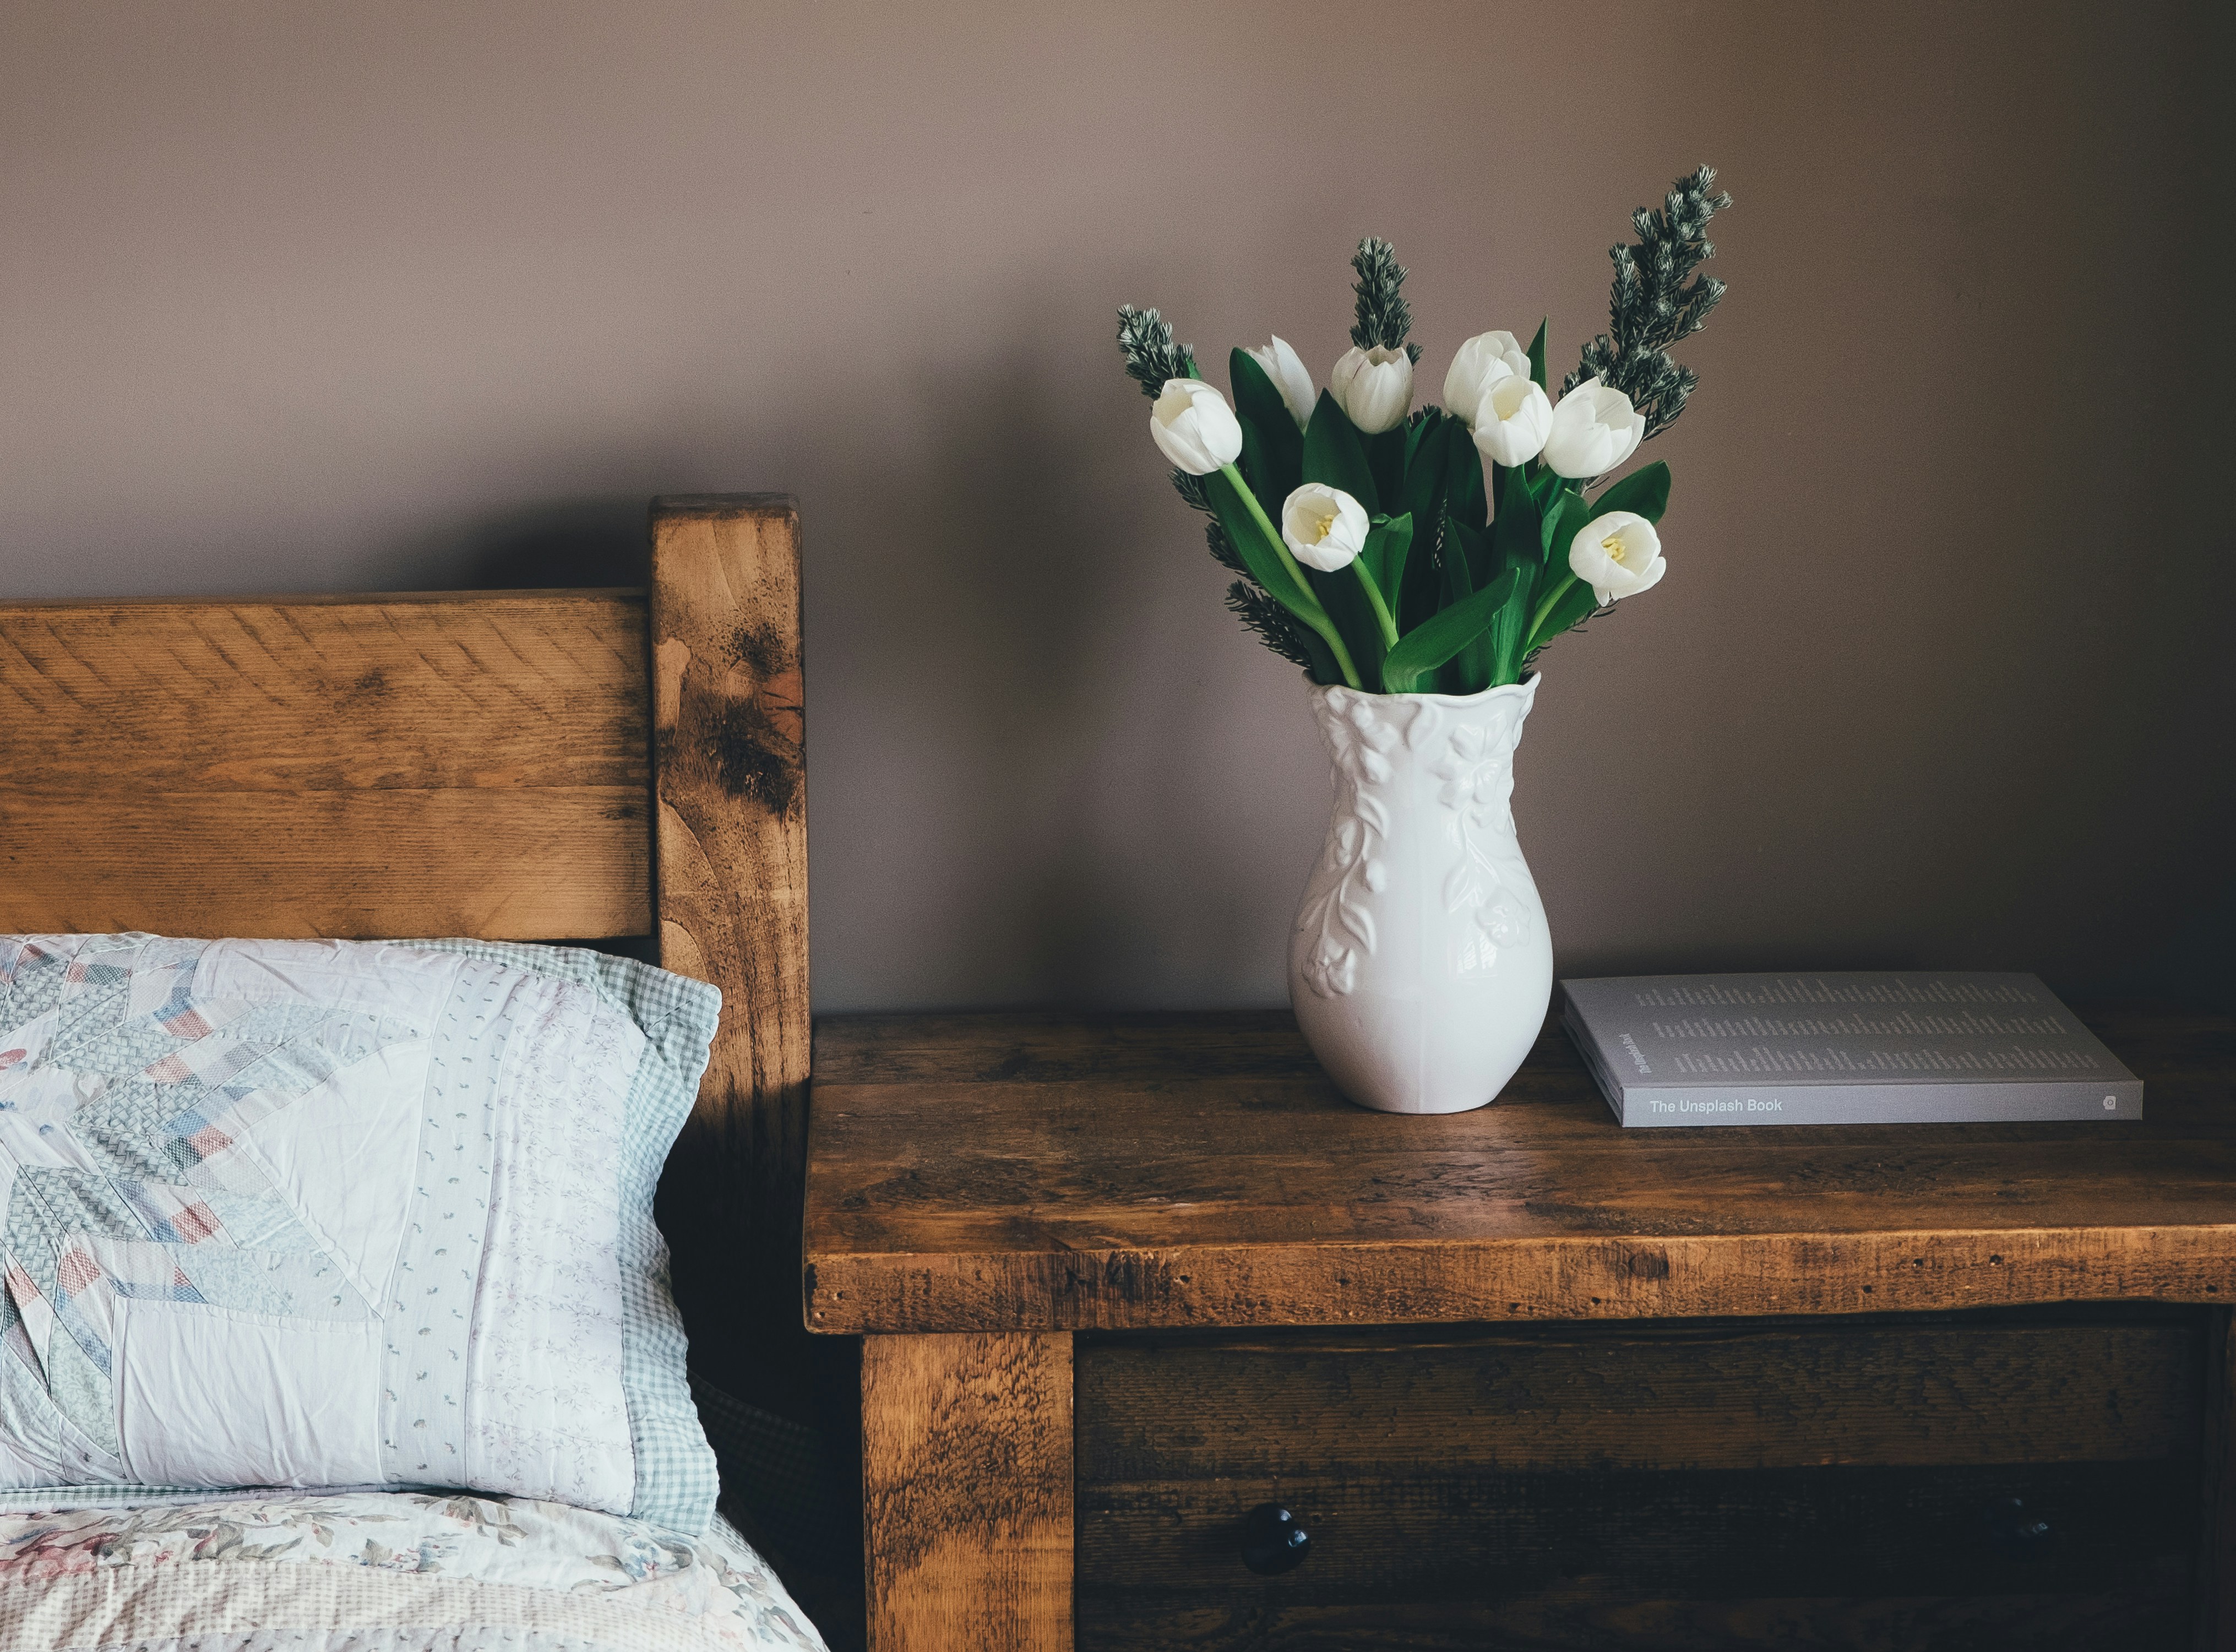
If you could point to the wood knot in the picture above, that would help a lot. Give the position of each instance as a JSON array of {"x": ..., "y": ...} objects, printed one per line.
[
  {"x": 372, "y": 684},
  {"x": 1649, "y": 1265},
  {"x": 754, "y": 761}
]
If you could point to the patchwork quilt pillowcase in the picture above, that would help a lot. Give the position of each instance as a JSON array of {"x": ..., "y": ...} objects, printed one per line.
[{"x": 344, "y": 1214}]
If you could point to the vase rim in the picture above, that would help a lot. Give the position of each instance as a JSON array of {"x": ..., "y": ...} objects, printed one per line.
[{"x": 1525, "y": 688}]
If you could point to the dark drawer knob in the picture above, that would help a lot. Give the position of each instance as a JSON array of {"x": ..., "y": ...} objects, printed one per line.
[
  {"x": 1272, "y": 1542},
  {"x": 2014, "y": 1528}
]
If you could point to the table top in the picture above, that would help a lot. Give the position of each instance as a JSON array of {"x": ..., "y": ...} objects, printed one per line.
[{"x": 1047, "y": 1172}]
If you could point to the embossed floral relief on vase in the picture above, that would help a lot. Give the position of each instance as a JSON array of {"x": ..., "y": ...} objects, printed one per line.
[{"x": 1420, "y": 966}]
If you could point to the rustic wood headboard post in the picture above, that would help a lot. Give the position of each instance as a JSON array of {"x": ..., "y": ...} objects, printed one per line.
[{"x": 730, "y": 844}]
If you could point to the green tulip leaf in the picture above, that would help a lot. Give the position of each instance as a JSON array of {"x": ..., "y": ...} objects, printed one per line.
[
  {"x": 1419, "y": 592},
  {"x": 1516, "y": 533},
  {"x": 1258, "y": 403},
  {"x": 1323, "y": 667},
  {"x": 1510, "y": 629},
  {"x": 1573, "y": 605},
  {"x": 1464, "y": 552},
  {"x": 1569, "y": 514},
  {"x": 1424, "y": 431},
  {"x": 1644, "y": 492},
  {"x": 1385, "y": 460},
  {"x": 1421, "y": 651},
  {"x": 1335, "y": 457},
  {"x": 1512, "y": 545},
  {"x": 1537, "y": 359},
  {"x": 1387, "y": 543},
  {"x": 1422, "y": 496},
  {"x": 1464, "y": 478},
  {"x": 1344, "y": 602},
  {"x": 1264, "y": 562},
  {"x": 1257, "y": 468}
]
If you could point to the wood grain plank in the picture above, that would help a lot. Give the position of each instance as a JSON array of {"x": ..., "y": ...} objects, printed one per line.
[
  {"x": 469, "y": 764},
  {"x": 1050, "y": 1046},
  {"x": 1977, "y": 1390},
  {"x": 967, "y": 1483},
  {"x": 1077, "y": 1174},
  {"x": 731, "y": 816}
]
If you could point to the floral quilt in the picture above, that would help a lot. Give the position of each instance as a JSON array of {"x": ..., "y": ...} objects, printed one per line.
[{"x": 382, "y": 1571}]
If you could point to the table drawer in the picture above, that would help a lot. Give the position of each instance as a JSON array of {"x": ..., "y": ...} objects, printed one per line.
[{"x": 1830, "y": 1483}]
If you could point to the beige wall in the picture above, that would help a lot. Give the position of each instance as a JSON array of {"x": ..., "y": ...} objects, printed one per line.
[{"x": 384, "y": 295}]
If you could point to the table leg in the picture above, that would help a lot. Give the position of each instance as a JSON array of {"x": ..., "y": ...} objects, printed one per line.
[
  {"x": 2216, "y": 1560},
  {"x": 967, "y": 1492}
]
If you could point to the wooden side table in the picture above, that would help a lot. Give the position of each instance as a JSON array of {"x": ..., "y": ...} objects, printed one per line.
[{"x": 1525, "y": 1378}]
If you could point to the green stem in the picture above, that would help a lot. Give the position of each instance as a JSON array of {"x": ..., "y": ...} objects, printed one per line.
[
  {"x": 1323, "y": 624},
  {"x": 1329, "y": 635},
  {"x": 1545, "y": 609},
  {"x": 1381, "y": 608},
  {"x": 1265, "y": 526}
]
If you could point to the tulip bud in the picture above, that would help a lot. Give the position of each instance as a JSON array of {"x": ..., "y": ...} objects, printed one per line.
[
  {"x": 1289, "y": 377},
  {"x": 1617, "y": 555},
  {"x": 1594, "y": 429},
  {"x": 1482, "y": 361},
  {"x": 1193, "y": 426},
  {"x": 1324, "y": 527},
  {"x": 1513, "y": 421},
  {"x": 1373, "y": 387}
]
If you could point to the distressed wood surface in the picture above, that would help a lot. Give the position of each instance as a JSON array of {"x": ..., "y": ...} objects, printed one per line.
[
  {"x": 730, "y": 830},
  {"x": 1732, "y": 1536},
  {"x": 2215, "y": 1627},
  {"x": 462, "y": 764},
  {"x": 1042, "y": 1172},
  {"x": 2101, "y": 1384},
  {"x": 1736, "y": 1484},
  {"x": 967, "y": 1483}
]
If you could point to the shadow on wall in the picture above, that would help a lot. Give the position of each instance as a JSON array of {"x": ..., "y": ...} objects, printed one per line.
[
  {"x": 1004, "y": 626},
  {"x": 562, "y": 544},
  {"x": 967, "y": 560}
]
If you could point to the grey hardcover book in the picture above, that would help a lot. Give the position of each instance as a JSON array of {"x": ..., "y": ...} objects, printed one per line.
[{"x": 1909, "y": 1048}]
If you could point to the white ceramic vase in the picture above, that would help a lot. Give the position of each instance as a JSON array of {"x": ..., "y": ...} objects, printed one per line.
[{"x": 1420, "y": 967}]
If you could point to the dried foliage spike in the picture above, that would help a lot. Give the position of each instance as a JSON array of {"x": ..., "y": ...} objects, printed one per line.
[
  {"x": 1385, "y": 317},
  {"x": 1145, "y": 339},
  {"x": 1223, "y": 551},
  {"x": 1262, "y": 614},
  {"x": 1657, "y": 299}
]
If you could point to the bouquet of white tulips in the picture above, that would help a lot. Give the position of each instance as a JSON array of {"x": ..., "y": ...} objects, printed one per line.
[{"x": 1405, "y": 551}]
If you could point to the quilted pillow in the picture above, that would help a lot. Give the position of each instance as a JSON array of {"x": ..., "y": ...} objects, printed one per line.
[{"x": 344, "y": 1214}]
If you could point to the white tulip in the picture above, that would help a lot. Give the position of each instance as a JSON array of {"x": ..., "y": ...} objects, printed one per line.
[
  {"x": 1289, "y": 377},
  {"x": 1374, "y": 387},
  {"x": 1594, "y": 429},
  {"x": 1324, "y": 527},
  {"x": 1194, "y": 427},
  {"x": 1617, "y": 555},
  {"x": 1482, "y": 361},
  {"x": 1511, "y": 426}
]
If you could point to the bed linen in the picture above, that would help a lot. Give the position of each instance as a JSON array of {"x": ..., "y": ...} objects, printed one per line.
[
  {"x": 381, "y": 1571},
  {"x": 335, "y": 1214}
]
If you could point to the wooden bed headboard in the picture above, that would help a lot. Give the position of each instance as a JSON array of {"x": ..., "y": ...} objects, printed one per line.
[{"x": 590, "y": 765}]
